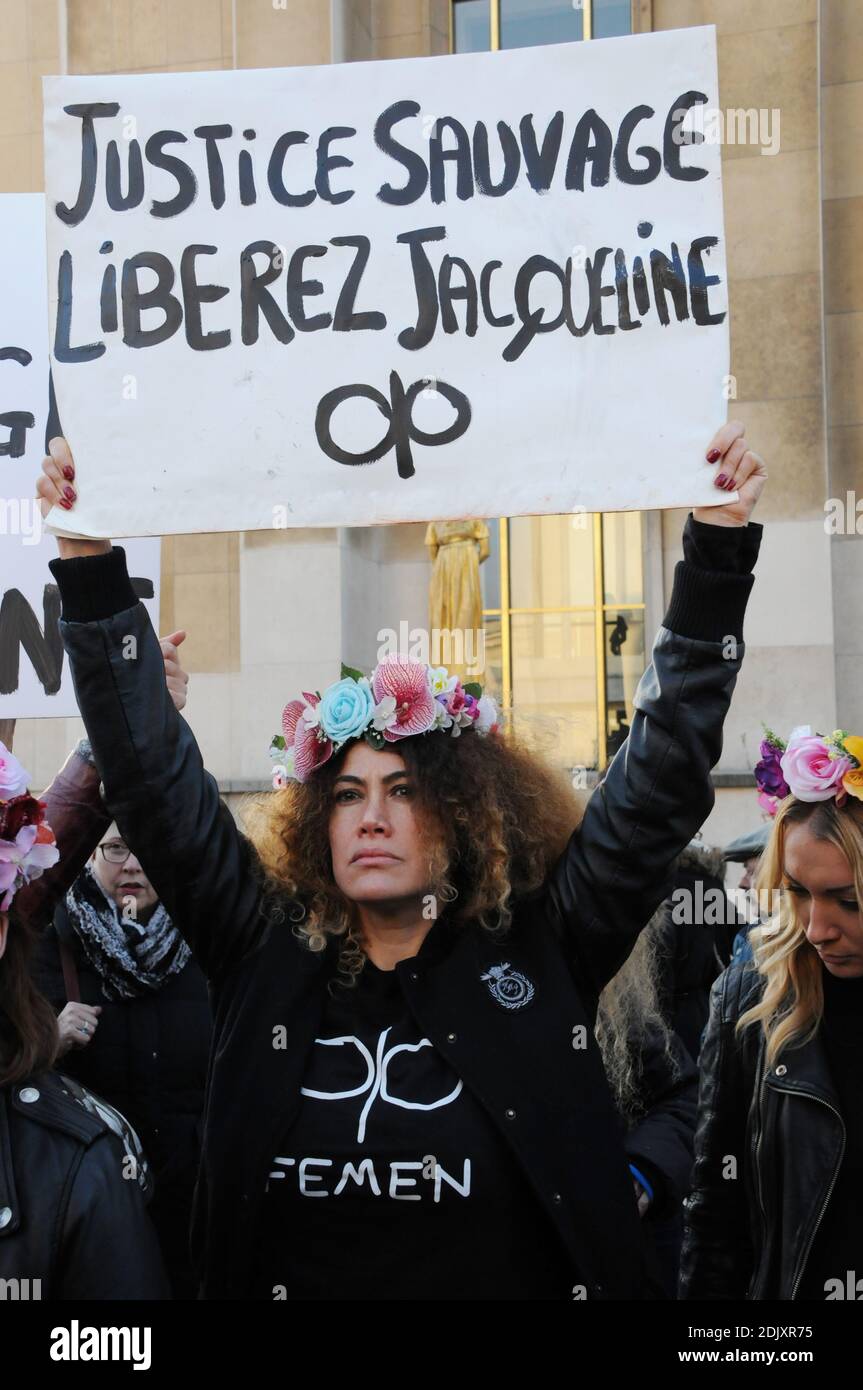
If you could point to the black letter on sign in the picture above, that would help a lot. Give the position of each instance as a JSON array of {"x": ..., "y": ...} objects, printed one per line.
[
  {"x": 622, "y": 166},
  {"x": 399, "y": 412},
  {"x": 187, "y": 184},
  {"x": 194, "y": 295},
  {"x": 414, "y": 163},
  {"x": 210, "y": 134},
  {"x": 699, "y": 281},
  {"x": 88, "y": 113},
  {"x": 159, "y": 297},
  {"x": 671, "y": 147},
  {"x": 19, "y": 628},
  {"x": 275, "y": 169},
  {"x": 117, "y": 201},
  {"x": 18, "y": 422},
  {"x": 253, "y": 295},
  {"x": 344, "y": 319},
  {"x": 63, "y": 350}
]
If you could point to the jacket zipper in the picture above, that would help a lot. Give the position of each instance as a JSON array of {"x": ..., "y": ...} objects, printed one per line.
[
  {"x": 760, "y": 1129},
  {"x": 801, "y": 1263}
]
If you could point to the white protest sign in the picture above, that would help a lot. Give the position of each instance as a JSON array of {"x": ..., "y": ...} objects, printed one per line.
[
  {"x": 34, "y": 674},
  {"x": 480, "y": 285}
]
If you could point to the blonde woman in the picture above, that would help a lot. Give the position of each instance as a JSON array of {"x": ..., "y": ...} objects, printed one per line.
[{"x": 776, "y": 1210}]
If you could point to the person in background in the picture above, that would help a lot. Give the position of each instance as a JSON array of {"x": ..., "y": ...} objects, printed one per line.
[
  {"x": 134, "y": 1017},
  {"x": 73, "y": 1181},
  {"x": 780, "y": 1096},
  {"x": 695, "y": 927},
  {"x": 655, "y": 1086},
  {"x": 161, "y": 1095},
  {"x": 746, "y": 850}
]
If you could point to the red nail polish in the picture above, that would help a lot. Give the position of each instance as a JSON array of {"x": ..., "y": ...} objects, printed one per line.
[
  {"x": 69, "y": 493},
  {"x": 721, "y": 480},
  {"x": 68, "y": 471},
  {"x": 729, "y": 486},
  {"x": 713, "y": 456},
  {"x": 64, "y": 503}
]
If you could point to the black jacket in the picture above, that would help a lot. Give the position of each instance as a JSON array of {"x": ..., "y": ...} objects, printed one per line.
[
  {"x": 749, "y": 1236},
  {"x": 549, "y": 1100},
  {"x": 148, "y": 1056},
  {"x": 69, "y": 1218}
]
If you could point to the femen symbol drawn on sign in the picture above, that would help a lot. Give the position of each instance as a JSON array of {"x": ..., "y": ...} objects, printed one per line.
[{"x": 398, "y": 410}]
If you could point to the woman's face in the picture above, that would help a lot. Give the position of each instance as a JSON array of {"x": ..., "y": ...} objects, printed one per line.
[
  {"x": 819, "y": 877},
  {"x": 379, "y": 852},
  {"x": 126, "y": 883}
]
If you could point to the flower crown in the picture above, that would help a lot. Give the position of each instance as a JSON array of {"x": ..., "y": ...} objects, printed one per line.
[
  {"x": 402, "y": 698},
  {"x": 812, "y": 767},
  {"x": 27, "y": 844}
]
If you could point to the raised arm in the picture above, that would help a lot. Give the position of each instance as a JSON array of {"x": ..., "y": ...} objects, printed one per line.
[
  {"x": 79, "y": 818},
  {"x": 165, "y": 803},
  {"x": 657, "y": 792},
  {"x": 76, "y": 813}
]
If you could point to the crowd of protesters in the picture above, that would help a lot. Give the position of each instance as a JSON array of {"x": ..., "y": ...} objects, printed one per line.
[{"x": 565, "y": 1082}]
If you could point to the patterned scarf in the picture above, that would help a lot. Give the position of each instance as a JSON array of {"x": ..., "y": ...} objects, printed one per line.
[{"x": 131, "y": 958}]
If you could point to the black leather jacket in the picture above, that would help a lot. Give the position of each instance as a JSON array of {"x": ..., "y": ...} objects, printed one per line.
[
  {"x": 73, "y": 1225},
  {"x": 549, "y": 1101},
  {"x": 749, "y": 1236}
]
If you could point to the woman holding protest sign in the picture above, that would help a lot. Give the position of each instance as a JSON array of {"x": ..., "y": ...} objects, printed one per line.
[{"x": 406, "y": 957}]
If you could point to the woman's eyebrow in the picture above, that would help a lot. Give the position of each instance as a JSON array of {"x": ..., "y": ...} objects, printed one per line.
[
  {"x": 845, "y": 888},
  {"x": 350, "y": 777}
]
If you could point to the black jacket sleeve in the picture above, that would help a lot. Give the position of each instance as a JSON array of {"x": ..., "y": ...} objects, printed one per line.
[
  {"x": 657, "y": 791},
  {"x": 165, "y": 803},
  {"x": 717, "y": 1256},
  {"x": 661, "y": 1143}
]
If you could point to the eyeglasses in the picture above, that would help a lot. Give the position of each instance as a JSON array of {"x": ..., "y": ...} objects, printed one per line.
[{"x": 115, "y": 852}]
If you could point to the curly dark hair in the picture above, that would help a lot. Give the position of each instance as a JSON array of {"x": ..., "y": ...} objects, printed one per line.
[{"x": 494, "y": 816}]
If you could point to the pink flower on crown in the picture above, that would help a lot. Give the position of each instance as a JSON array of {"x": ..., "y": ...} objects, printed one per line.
[
  {"x": 455, "y": 699},
  {"x": 405, "y": 681},
  {"x": 26, "y": 857},
  {"x": 13, "y": 778},
  {"x": 811, "y": 773},
  {"x": 303, "y": 732}
]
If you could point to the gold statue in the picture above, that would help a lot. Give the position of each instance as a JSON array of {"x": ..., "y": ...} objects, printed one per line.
[{"x": 457, "y": 549}]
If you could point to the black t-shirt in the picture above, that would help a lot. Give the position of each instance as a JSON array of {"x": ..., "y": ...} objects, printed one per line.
[
  {"x": 393, "y": 1182},
  {"x": 838, "y": 1245}
]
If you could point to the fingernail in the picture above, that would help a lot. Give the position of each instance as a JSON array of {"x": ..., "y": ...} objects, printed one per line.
[
  {"x": 68, "y": 471},
  {"x": 70, "y": 493},
  {"x": 713, "y": 456},
  {"x": 729, "y": 486},
  {"x": 64, "y": 503},
  {"x": 721, "y": 480}
]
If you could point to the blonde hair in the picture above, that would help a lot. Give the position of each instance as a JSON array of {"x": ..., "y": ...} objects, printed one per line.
[{"x": 791, "y": 1004}]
